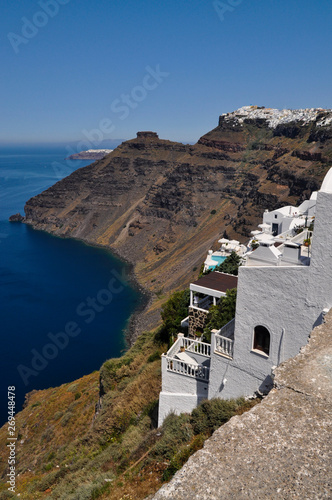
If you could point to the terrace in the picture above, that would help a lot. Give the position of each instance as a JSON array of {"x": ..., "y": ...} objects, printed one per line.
[
  {"x": 284, "y": 249},
  {"x": 204, "y": 293},
  {"x": 192, "y": 358}
]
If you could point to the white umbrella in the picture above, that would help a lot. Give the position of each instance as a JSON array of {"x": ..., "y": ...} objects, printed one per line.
[{"x": 223, "y": 240}]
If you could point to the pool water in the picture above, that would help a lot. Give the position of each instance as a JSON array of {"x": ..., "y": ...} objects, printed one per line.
[{"x": 218, "y": 258}]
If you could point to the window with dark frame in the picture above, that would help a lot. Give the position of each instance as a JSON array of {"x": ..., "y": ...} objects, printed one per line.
[{"x": 262, "y": 339}]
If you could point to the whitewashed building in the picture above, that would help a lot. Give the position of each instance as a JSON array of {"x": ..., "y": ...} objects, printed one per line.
[{"x": 283, "y": 293}]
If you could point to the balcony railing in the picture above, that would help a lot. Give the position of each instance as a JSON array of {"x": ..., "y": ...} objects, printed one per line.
[
  {"x": 175, "y": 348},
  {"x": 196, "y": 371},
  {"x": 228, "y": 329},
  {"x": 197, "y": 347},
  {"x": 223, "y": 346},
  {"x": 205, "y": 303}
]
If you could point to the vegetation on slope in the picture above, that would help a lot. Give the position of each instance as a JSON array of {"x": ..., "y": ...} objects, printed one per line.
[
  {"x": 172, "y": 313},
  {"x": 220, "y": 314},
  {"x": 97, "y": 437},
  {"x": 66, "y": 451}
]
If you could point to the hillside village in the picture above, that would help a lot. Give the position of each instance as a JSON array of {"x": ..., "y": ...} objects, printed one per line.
[
  {"x": 161, "y": 206},
  {"x": 283, "y": 291}
]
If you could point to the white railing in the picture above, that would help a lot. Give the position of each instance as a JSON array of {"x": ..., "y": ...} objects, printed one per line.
[
  {"x": 185, "y": 322},
  {"x": 228, "y": 329},
  {"x": 223, "y": 346},
  {"x": 205, "y": 303},
  {"x": 195, "y": 371},
  {"x": 298, "y": 238},
  {"x": 197, "y": 347},
  {"x": 175, "y": 348}
]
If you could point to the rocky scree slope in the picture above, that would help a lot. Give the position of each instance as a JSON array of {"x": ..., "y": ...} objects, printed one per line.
[{"x": 161, "y": 205}]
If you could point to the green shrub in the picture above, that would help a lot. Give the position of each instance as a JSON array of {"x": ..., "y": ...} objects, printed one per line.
[
  {"x": 72, "y": 387},
  {"x": 220, "y": 314},
  {"x": 47, "y": 435},
  {"x": 154, "y": 357},
  {"x": 65, "y": 419},
  {"x": 182, "y": 456},
  {"x": 176, "y": 430},
  {"x": 230, "y": 265},
  {"x": 172, "y": 313},
  {"x": 98, "y": 491},
  {"x": 51, "y": 478},
  {"x": 58, "y": 415},
  {"x": 77, "y": 395},
  {"x": 213, "y": 413}
]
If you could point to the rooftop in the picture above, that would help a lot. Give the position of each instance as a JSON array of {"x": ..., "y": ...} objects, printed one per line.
[{"x": 220, "y": 282}]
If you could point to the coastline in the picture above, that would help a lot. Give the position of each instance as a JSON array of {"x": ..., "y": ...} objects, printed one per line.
[{"x": 136, "y": 323}]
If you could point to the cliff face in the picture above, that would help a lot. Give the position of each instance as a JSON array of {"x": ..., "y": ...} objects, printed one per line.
[{"x": 162, "y": 205}]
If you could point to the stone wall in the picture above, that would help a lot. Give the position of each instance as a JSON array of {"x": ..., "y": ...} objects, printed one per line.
[{"x": 197, "y": 320}]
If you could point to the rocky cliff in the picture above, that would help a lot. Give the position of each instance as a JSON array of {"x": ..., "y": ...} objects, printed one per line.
[{"x": 161, "y": 205}]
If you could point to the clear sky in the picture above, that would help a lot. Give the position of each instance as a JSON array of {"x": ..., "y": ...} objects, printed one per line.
[{"x": 172, "y": 66}]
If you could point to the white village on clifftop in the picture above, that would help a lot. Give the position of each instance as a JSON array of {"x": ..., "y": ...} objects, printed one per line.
[{"x": 284, "y": 290}]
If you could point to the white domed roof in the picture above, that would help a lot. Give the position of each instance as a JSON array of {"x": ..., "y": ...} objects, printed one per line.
[{"x": 327, "y": 182}]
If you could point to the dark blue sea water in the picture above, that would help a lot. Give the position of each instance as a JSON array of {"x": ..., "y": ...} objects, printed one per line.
[{"x": 64, "y": 305}]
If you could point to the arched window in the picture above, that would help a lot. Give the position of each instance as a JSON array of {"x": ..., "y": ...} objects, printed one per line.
[{"x": 262, "y": 339}]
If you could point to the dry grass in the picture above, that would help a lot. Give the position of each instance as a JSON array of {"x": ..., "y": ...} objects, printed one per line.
[{"x": 66, "y": 452}]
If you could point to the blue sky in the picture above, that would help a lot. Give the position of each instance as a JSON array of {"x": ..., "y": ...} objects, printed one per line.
[{"x": 77, "y": 66}]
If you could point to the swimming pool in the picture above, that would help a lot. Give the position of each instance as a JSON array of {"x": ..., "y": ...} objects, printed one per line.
[{"x": 218, "y": 258}]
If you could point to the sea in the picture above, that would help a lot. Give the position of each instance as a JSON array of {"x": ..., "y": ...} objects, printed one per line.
[{"x": 64, "y": 305}]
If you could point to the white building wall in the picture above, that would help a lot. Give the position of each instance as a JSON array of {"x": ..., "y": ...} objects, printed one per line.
[
  {"x": 273, "y": 297},
  {"x": 320, "y": 285},
  {"x": 180, "y": 393},
  {"x": 289, "y": 301},
  {"x": 177, "y": 403}
]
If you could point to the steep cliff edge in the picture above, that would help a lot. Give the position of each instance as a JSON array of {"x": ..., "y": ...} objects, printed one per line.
[{"x": 161, "y": 205}]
